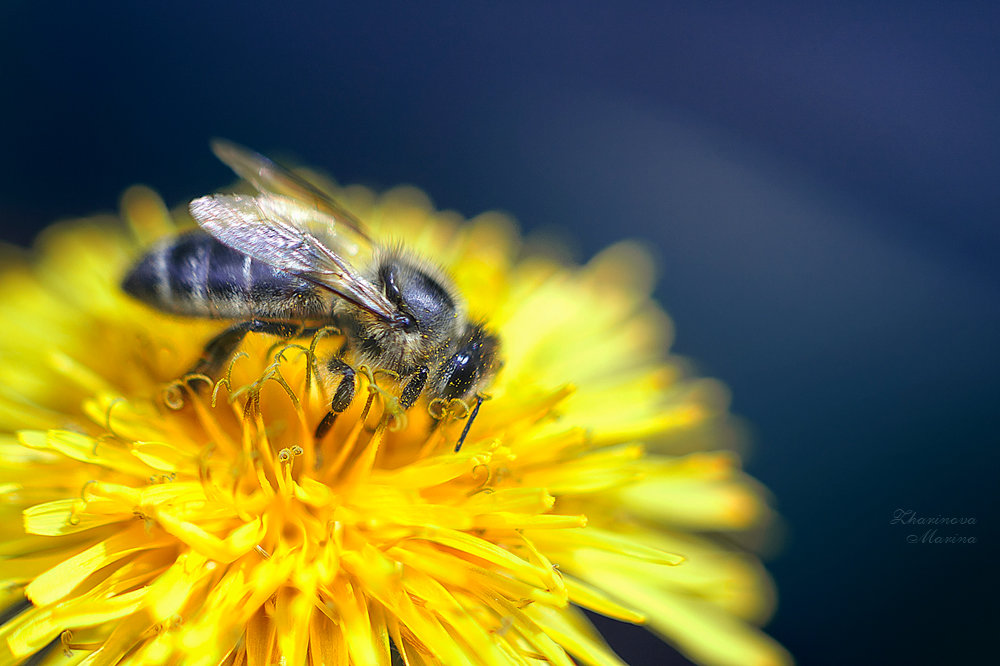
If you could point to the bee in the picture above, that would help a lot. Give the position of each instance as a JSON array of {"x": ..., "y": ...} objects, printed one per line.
[{"x": 289, "y": 259}]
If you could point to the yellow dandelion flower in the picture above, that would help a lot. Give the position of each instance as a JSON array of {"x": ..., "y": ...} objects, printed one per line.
[{"x": 151, "y": 519}]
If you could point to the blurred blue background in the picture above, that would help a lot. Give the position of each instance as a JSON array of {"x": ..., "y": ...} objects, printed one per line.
[{"x": 818, "y": 184}]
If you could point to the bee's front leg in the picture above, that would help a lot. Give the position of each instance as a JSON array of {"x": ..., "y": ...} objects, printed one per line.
[{"x": 342, "y": 396}]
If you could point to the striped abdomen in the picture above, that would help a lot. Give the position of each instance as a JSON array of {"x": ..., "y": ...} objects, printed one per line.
[{"x": 195, "y": 275}]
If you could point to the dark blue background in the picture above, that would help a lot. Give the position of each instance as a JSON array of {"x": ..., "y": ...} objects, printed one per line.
[{"x": 818, "y": 184}]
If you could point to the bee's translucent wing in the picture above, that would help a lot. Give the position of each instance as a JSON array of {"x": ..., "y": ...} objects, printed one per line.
[
  {"x": 282, "y": 233},
  {"x": 269, "y": 177}
]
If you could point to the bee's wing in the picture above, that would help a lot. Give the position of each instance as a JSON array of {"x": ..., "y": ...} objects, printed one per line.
[
  {"x": 282, "y": 233},
  {"x": 269, "y": 177}
]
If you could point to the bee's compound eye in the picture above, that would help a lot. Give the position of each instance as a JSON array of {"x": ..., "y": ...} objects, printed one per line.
[{"x": 388, "y": 275}]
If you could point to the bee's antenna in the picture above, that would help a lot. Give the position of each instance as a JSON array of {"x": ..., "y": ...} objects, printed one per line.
[{"x": 468, "y": 423}]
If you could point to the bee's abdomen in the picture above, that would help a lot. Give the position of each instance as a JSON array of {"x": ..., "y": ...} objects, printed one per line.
[{"x": 195, "y": 275}]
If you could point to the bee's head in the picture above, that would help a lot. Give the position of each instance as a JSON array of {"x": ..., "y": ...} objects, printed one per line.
[
  {"x": 424, "y": 304},
  {"x": 427, "y": 315}
]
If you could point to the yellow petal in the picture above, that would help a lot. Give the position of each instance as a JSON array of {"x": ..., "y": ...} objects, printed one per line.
[
  {"x": 572, "y": 630},
  {"x": 82, "y": 612},
  {"x": 240, "y": 540},
  {"x": 60, "y": 580},
  {"x": 66, "y": 516}
]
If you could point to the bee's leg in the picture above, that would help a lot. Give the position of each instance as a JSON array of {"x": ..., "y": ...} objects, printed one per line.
[
  {"x": 413, "y": 388},
  {"x": 342, "y": 396},
  {"x": 221, "y": 348}
]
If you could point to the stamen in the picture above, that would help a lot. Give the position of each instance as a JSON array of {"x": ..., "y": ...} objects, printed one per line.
[
  {"x": 204, "y": 473},
  {"x": 173, "y": 396},
  {"x": 280, "y": 354},
  {"x": 251, "y": 409},
  {"x": 107, "y": 418},
  {"x": 437, "y": 408},
  {"x": 368, "y": 406},
  {"x": 486, "y": 486},
  {"x": 458, "y": 408},
  {"x": 228, "y": 379},
  {"x": 104, "y": 437},
  {"x": 83, "y": 490},
  {"x": 173, "y": 393},
  {"x": 311, "y": 366},
  {"x": 276, "y": 376},
  {"x": 390, "y": 402},
  {"x": 192, "y": 376},
  {"x": 386, "y": 372}
]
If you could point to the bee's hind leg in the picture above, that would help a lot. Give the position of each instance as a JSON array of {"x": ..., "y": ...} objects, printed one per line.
[
  {"x": 342, "y": 396},
  {"x": 221, "y": 348}
]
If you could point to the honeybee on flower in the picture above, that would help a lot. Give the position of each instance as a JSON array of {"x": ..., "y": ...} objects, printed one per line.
[
  {"x": 154, "y": 515},
  {"x": 285, "y": 256}
]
